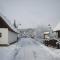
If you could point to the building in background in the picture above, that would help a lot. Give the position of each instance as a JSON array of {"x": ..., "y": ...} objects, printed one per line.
[
  {"x": 27, "y": 33},
  {"x": 46, "y": 35}
]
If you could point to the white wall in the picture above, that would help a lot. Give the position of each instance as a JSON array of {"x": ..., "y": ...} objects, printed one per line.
[
  {"x": 56, "y": 35},
  {"x": 7, "y": 36},
  {"x": 12, "y": 36},
  {"x": 4, "y": 38}
]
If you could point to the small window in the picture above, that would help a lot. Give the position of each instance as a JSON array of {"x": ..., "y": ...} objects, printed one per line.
[{"x": 0, "y": 34}]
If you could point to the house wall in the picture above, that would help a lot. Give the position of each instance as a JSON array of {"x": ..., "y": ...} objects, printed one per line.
[
  {"x": 56, "y": 34},
  {"x": 46, "y": 36},
  {"x": 4, "y": 36},
  {"x": 12, "y": 37}
]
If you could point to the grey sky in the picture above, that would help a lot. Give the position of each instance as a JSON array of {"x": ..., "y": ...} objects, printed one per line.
[{"x": 31, "y": 13}]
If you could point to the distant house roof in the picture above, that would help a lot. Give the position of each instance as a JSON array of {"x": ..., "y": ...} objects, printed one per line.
[
  {"x": 46, "y": 32},
  {"x": 5, "y": 23},
  {"x": 57, "y": 28}
]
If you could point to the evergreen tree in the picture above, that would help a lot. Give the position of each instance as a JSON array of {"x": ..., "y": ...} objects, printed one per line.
[{"x": 15, "y": 24}]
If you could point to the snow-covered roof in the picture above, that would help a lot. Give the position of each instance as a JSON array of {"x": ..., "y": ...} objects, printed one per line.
[
  {"x": 8, "y": 23},
  {"x": 46, "y": 32},
  {"x": 57, "y": 28}
]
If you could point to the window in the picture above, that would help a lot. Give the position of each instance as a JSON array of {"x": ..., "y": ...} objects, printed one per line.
[{"x": 0, "y": 34}]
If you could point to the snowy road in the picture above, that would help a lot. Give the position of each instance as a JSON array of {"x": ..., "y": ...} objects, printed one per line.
[
  {"x": 31, "y": 50},
  {"x": 27, "y": 49}
]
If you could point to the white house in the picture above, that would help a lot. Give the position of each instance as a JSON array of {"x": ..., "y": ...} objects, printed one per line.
[
  {"x": 8, "y": 33},
  {"x": 46, "y": 35}
]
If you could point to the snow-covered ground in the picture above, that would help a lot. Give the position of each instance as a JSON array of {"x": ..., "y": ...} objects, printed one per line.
[{"x": 28, "y": 49}]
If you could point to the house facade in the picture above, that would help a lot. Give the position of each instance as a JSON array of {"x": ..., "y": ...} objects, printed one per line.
[
  {"x": 57, "y": 31},
  {"x": 8, "y": 33}
]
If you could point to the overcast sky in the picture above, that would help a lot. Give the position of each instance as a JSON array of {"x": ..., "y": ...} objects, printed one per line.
[{"x": 31, "y": 13}]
